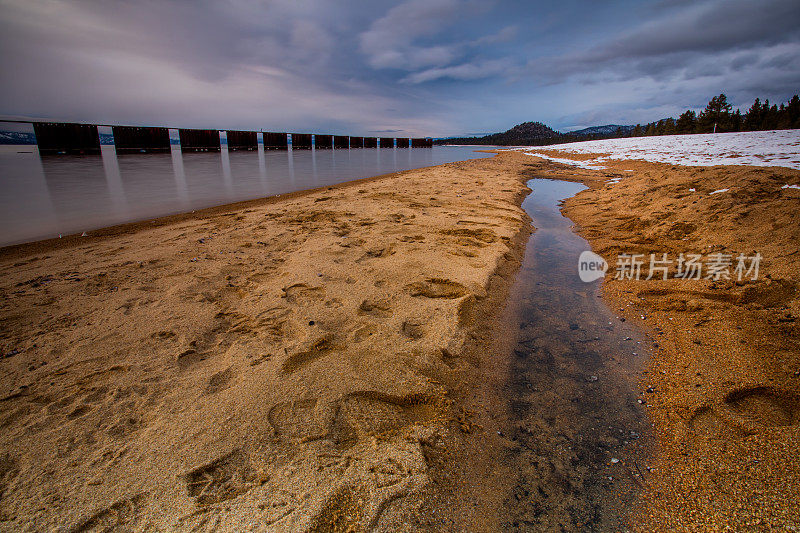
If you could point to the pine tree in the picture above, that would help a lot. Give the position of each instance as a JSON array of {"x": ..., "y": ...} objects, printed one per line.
[
  {"x": 637, "y": 131},
  {"x": 783, "y": 122},
  {"x": 686, "y": 122},
  {"x": 772, "y": 117},
  {"x": 764, "y": 124},
  {"x": 716, "y": 116},
  {"x": 752, "y": 119},
  {"x": 793, "y": 112},
  {"x": 736, "y": 121}
]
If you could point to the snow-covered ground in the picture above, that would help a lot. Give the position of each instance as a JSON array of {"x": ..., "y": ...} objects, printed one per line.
[{"x": 760, "y": 148}]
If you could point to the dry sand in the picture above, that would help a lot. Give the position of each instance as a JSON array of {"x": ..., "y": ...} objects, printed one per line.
[
  {"x": 320, "y": 361},
  {"x": 278, "y": 364}
]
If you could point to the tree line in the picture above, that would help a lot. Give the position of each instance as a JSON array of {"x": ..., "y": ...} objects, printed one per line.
[{"x": 718, "y": 117}]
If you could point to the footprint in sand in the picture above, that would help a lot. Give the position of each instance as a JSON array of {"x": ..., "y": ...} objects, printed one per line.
[
  {"x": 479, "y": 237},
  {"x": 364, "y": 414},
  {"x": 219, "y": 381},
  {"x": 764, "y": 406},
  {"x": 300, "y": 293},
  {"x": 343, "y": 511},
  {"x": 745, "y": 411},
  {"x": 376, "y": 252},
  {"x": 437, "y": 288},
  {"x": 413, "y": 329},
  {"x": 377, "y": 307},
  {"x": 314, "y": 351},
  {"x": 124, "y": 515},
  {"x": 222, "y": 479},
  {"x": 297, "y": 420}
]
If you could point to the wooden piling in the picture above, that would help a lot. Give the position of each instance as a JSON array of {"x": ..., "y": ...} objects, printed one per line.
[
  {"x": 242, "y": 140},
  {"x": 66, "y": 138},
  {"x": 275, "y": 141},
  {"x": 323, "y": 141},
  {"x": 199, "y": 140},
  {"x": 422, "y": 143},
  {"x": 301, "y": 141}
]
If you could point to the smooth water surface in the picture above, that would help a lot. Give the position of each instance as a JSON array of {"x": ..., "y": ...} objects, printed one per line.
[
  {"x": 42, "y": 197},
  {"x": 573, "y": 402}
]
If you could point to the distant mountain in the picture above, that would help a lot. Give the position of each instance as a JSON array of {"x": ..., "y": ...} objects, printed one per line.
[
  {"x": 538, "y": 134},
  {"x": 16, "y": 137},
  {"x": 608, "y": 129},
  {"x": 527, "y": 133}
]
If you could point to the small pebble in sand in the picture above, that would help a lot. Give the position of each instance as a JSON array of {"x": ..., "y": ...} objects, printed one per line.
[{"x": 614, "y": 460}]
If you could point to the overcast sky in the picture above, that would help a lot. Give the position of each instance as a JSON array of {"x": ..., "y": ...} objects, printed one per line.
[{"x": 419, "y": 67}]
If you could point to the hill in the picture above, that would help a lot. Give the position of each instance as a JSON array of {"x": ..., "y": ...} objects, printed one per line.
[
  {"x": 527, "y": 133},
  {"x": 608, "y": 129}
]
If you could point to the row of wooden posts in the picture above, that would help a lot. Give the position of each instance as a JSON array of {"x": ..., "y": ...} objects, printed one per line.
[{"x": 68, "y": 138}]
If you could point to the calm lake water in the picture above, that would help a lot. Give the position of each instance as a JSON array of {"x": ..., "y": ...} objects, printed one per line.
[{"x": 44, "y": 196}]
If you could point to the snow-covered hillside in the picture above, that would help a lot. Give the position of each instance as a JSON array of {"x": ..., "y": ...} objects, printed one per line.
[{"x": 761, "y": 148}]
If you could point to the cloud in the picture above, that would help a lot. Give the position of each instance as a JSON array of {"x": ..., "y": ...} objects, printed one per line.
[
  {"x": 674, "y": 40},
  {"x": 389, "y": 42},
  {"x": 190, "y": 65},
  {"x": 503, "y": 36},
  {"x": 393, "y": 42},
  {"x": 426, "y": 67},
  {"x": 464, "y": 71}
]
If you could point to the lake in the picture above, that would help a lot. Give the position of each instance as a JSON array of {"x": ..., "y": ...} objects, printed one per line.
[{"x": 45, "y": 196}]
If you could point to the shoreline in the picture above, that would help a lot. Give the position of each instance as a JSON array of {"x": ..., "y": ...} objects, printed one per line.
[
  {"x": 290, "y": 351},
  {"x": 73, "y": 239}
]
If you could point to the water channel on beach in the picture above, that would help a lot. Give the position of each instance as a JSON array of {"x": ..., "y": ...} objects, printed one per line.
[{"x": 575, "y": 418}]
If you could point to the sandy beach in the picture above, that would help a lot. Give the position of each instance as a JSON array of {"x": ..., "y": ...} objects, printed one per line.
[
  {"x": 277, "y": 364},
  {"x": 327, "y": 360}
]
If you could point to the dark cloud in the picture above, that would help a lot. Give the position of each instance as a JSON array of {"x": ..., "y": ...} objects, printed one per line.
[
  {"x": 412, "y": 68},
  {"x": 674, "y": 40}
]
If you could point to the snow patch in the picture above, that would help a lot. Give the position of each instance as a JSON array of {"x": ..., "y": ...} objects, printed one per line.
[
  {"x": 758, "y": 148},
  {"x": 579, "y": 164},
  {"x": 718, "y": 191},
  {"x": 787, "y": 186}
]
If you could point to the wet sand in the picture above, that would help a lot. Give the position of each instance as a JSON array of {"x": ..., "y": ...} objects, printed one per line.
[
  {"x": 338, "y": 359},
  {"x": 723, "y": 386}
]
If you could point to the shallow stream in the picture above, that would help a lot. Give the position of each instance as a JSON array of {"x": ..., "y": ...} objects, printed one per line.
[{"x": 574, "y": 413}]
